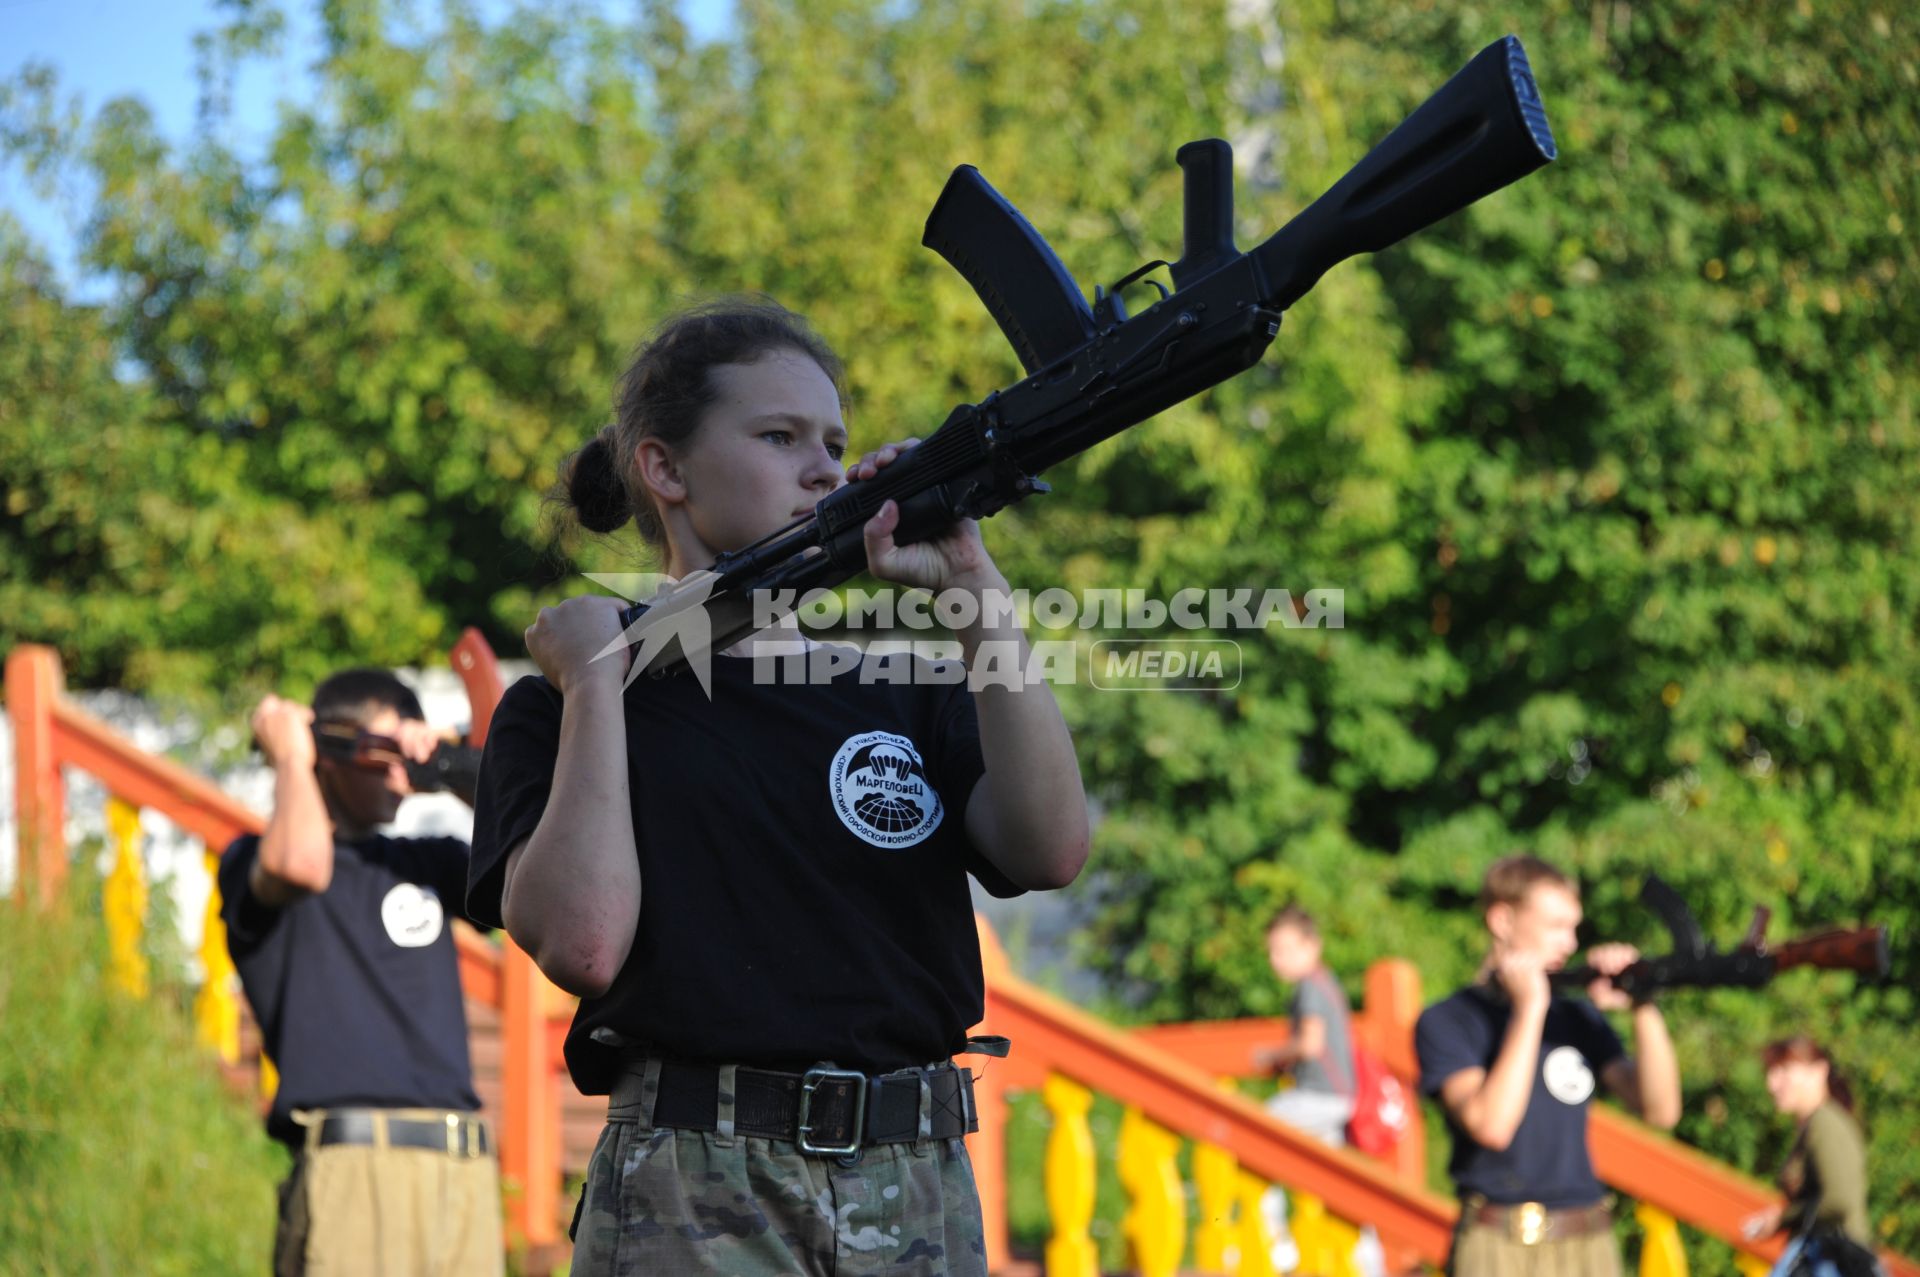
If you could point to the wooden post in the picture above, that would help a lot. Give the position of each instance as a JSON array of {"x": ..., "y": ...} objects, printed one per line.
[
  {"x": 33, "y": 685},
  {"x": 987, "y": 1149},
  {"x": 530, "y": 1116},
  {"x": 1392, "y": 1007},
  {"x": 474, "y": 662}
]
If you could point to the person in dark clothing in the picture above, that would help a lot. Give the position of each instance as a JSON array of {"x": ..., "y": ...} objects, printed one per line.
[
  {"x": 1514, "y": 1067},
  {"x": 774, "y": 1016},
  {"x": 341, "y": 935}
]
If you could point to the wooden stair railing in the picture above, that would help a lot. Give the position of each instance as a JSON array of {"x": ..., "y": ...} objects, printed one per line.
[{"x": 1065, "y": 1053}]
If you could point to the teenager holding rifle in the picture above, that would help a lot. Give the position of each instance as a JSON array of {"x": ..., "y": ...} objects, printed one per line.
[{"x": 1515, "y": 1068}]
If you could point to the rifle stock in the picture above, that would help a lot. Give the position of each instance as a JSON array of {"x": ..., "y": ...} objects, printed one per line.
[{"x": 1861, "y": 949}]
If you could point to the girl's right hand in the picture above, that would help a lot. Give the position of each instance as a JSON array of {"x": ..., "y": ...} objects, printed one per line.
[{"x": 565, "y": 639}]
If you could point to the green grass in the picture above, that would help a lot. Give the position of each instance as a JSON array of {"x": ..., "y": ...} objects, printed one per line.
[{"x": 121, "y": 1151}]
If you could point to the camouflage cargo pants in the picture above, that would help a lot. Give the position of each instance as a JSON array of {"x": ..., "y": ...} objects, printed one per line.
[{"x": 664, "y": 1201}]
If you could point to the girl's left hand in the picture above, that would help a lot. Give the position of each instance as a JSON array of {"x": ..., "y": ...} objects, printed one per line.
[{"x": 957, "y": 557}]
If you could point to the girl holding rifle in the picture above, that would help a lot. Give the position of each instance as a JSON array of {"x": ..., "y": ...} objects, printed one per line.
[{"x": 762, "y": 897}]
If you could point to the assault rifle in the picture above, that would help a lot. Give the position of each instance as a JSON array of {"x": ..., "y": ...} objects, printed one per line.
[
  {"x": 452, "y": 766},
  {"x": 1695, "y": 963},
  {"x": 1092, "y": 371}
]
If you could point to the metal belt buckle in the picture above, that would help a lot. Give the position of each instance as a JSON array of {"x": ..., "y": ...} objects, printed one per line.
[
  {"x": 1528, "y": 1222},
  {"x": 802, "y": 1128}
]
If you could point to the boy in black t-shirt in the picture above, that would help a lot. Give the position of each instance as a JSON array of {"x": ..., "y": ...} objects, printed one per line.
[
  {"x": 1514, "y": 1066},
  {"x": 341, "y": 938}
]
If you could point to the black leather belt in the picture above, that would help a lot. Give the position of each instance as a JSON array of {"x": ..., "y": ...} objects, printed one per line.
[
  {"x": 826, "y": 1111},
  {"x": 456, "y": 1134}
]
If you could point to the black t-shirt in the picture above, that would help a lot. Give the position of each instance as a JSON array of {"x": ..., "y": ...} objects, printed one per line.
[
  {"x": 803, "y": 861},
  {"x": 357, "y": 988},
  {"x": 1547, "y": 1162}
]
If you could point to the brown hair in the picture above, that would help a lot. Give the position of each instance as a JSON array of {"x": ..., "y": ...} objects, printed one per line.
[
  {"x": 1510, "y": 878},
  {"x": 1802, "y": 1049},
  {"x": 666, "y": 390},
  {"x": 1297, "y": 918}
]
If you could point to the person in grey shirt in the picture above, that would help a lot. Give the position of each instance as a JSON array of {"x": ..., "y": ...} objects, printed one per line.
[
  {"x": 1319, "y": 1048},
  {"x": 1318, "y": 1053}
]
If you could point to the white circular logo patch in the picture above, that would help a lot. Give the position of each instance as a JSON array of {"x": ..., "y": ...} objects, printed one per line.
[
  {"x": 412, "y": 915},
  {"x": 1568, "y": 1078},
  {"x": 881, "y": 791}
]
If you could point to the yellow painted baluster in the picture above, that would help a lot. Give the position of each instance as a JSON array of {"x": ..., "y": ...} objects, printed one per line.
[
  {"x": 1254, "y": 1238},
  {"x": 1156, "y": 1221},
  {"x": 1307, "y": 1219},
  {"x": 1751, "y": 1265},
  {"x": 1214, "y": 1172},
  {"x": 124, "y": 901},
  {"x": 1661, "y": 1254},
  {"x": 216, "y": 1011},
  {"x": 1342, "y": 1237},
  {"x": 1069, "y": 1176}
]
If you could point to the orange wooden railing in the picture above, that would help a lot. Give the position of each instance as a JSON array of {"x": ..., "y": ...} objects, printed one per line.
[
  {"x": 1170, "y": 1074},
  {"x": 51, "y": 734}
]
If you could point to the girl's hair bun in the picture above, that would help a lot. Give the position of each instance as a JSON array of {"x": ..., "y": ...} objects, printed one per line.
[{"x": 595, "y": 489}]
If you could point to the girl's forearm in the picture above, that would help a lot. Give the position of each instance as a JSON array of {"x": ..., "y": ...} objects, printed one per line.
[
  {"x": 572, "y": 896},
  {"x": 1036, "y": 812}
]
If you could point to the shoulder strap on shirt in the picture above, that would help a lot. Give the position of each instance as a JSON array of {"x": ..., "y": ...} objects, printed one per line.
[{"x": 1338, "y": 998}]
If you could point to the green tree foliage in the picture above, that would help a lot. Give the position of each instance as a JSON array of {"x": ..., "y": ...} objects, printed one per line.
[
  {"x": 1612, "y": 468},
  {"x": 144, "y": 552}
]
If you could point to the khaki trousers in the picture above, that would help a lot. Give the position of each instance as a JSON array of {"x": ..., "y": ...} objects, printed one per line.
[
  {"x": 1480, "y": 1251},
  {"x": 372, "y": 1211}
]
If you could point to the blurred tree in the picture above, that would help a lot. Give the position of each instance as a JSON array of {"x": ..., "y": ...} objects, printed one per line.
[{"x": 1634, "y": 580}]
